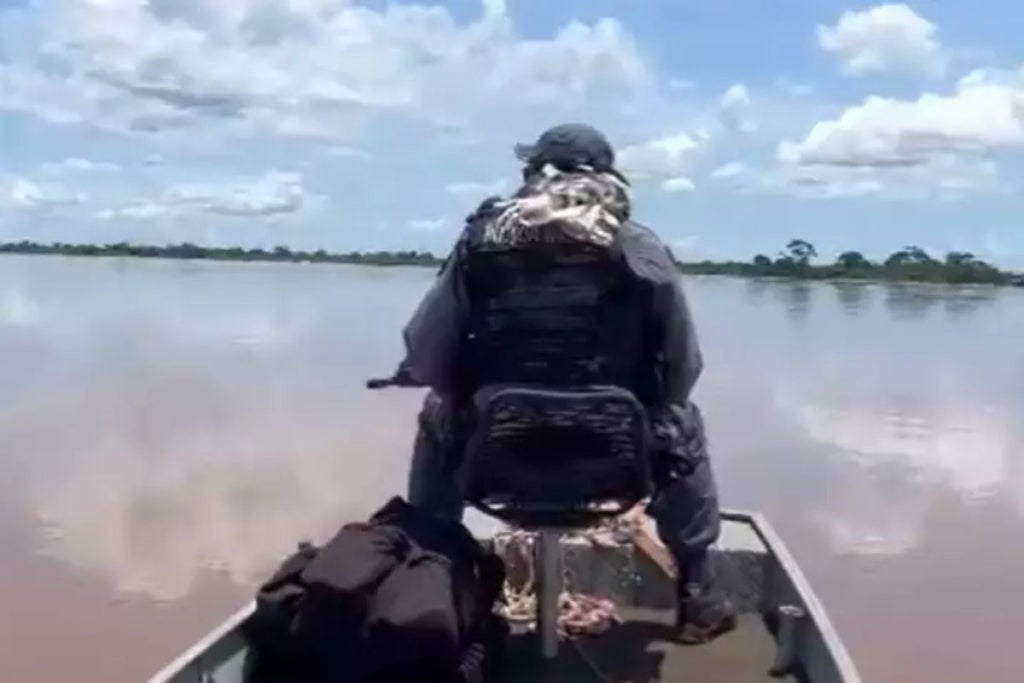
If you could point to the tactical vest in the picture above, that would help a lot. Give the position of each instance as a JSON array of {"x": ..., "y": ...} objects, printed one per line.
[{"x": 559, "y": 314}]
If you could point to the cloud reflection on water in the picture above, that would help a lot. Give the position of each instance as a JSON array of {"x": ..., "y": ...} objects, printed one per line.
[
  {"x": 895, "y": 453},
  {"x": 169, "y": 422},
  {"x": 166, "y": 421},
  {"x": 150, "y": 497}
]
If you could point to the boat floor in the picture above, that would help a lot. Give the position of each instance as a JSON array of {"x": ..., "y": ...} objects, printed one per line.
[{"x": 640, "y": 650}]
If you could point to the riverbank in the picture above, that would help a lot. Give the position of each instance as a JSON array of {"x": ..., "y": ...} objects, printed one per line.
[
  {"x": 188, "y": 251},
  {"x": 928, "y": 274},
  {"x": 908, "y": 265}
]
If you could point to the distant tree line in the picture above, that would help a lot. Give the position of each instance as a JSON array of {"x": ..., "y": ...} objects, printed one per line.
[
  {"x": 910, "y": 264},
  {"x": 796, "y": 261},
  {"x": 192, "y": 251}
]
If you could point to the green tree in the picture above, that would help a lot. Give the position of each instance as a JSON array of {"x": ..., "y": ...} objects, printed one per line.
[
  {"x": 908, "y": 255},
  {"x": 852, "y": 260},
  {"x": 960, "y": 258},
  {"x": 801, "y": 251}
]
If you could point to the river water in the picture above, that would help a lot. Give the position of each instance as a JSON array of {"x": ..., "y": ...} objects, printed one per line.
[{"x": 169, "y": 429}]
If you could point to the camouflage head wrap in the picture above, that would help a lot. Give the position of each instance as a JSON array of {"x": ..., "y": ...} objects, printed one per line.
[{"x": 581, "y": 205}]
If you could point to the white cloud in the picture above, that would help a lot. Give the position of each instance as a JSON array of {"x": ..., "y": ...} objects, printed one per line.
[
  {"x": 794, "y": 88},
  {"x": 946, "y": 177},
  {"x": 25, "y": 194},
  {"x": 491, "y": 187},
  {"x": 272, "y": 194},
  {"x": 310, "y": 68},
  {"x": 662, "y": 158},
  {"x": 678, "y": 184},
  {"x": 883, "y": 39},
  {"x": 144, "y": 210},
  {"x": 732, "y": 169},
  {"x": 818, "y": 187},
  {"x": 428, "y": 224},
  {"x": 685, "y": 247},
  {"x": 692, "y": 249},
  {"x": 980, "y": 116},
  {"x": 76, "y": 164},
  {"x": 345, "y": 151},
  {"x": 19, "y": 193},
  {"x": 735, "y": 109},
  {"x": 495, "y": 8}
]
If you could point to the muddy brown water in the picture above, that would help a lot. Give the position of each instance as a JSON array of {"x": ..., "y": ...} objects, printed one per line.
[{"x": 169, "y": 429}]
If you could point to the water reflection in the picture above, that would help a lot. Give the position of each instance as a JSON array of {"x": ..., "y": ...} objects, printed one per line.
[
  {"x": 756, "y": 288},
  {"x": 232, "y": 497},
  {"x": 865, "y": 519},
  {"x": 964, "y": 302},
  {"x": 853, "y": 297},
  {"x": 796, "y": 297},
  {"x": 944, "y": 441},
  {"x": 886, "y": 453},
  {"x": 910, "y": 301},
  {"x": 896, "y": 451},
  {"x": 160, "y": 422},
  {"x": 206, "y": 422}
]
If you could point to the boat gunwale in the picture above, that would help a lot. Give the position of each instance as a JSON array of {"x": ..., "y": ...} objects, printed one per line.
[
  {"x": 773, "y": 544},
  {"x": 777, "y": 549},
  {"x": 194, "y": 654}
]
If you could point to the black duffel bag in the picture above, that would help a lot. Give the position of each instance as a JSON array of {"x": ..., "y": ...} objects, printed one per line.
[{"x": 402, "y": 597}]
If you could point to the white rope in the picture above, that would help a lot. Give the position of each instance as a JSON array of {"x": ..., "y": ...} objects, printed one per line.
[{"x": 579, "y": 614}]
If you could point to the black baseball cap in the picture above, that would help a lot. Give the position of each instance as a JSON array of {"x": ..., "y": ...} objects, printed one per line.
[{"x": 567, "y": 146}]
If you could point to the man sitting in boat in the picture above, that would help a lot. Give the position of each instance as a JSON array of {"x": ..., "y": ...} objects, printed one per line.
[{"x": 570, "y": 185}]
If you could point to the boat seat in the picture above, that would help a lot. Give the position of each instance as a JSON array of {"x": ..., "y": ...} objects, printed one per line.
[
  {"x": 542, "y": 457},
  {"x": 552, "y": 460}
]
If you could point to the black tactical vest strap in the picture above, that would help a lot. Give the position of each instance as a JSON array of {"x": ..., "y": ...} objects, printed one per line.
[{"x": 557, "y": 314}]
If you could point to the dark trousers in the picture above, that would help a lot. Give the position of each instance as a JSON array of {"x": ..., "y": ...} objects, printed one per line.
[{"x": 684, "y": 506}]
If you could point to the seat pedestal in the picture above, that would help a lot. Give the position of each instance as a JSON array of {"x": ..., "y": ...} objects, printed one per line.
[{"x": 548, "y": 570}]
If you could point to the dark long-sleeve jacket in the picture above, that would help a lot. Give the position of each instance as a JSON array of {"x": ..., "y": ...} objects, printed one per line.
[
  {"x": 432, "y": 335},
  {"x": 432, "y": 344}
]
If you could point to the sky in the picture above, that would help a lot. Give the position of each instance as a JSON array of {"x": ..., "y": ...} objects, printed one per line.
[{"x": 345, "y": 125}]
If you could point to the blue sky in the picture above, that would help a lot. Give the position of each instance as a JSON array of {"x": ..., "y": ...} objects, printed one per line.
[{"x": 348, "y": 125}]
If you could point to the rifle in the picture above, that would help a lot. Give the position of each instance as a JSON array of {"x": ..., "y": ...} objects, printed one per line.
[{"x": 401, "y": 378}]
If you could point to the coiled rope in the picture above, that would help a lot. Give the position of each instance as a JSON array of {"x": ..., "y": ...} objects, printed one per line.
[{"x": 580, "y": 614}]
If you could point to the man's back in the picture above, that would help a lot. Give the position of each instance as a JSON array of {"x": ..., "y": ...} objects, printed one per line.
[
  {"x": 558, "y": 315},
  {"x": 642, "y": 309},
  {"x": 557, "y": 285},
  {"x": 551, "y": 297}
]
